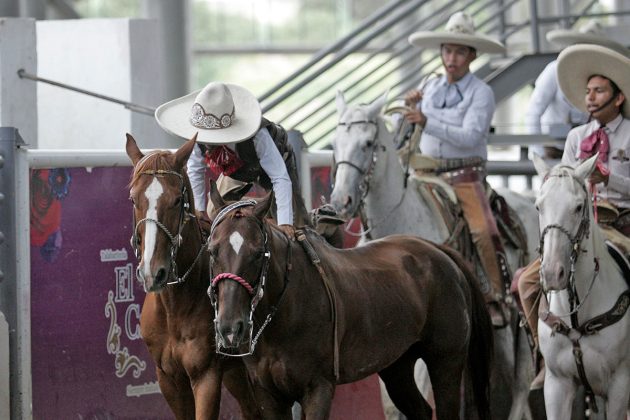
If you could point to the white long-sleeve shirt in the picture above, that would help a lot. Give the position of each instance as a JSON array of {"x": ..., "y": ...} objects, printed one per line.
[
  {"x": 548, "y": 109},
  {"x": 618, "y": 189},
  {"x": 270, "y": 161},
  {"x": 462, "y": 130}
]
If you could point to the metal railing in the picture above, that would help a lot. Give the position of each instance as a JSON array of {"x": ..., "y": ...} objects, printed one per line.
[{"x": 376, "y": 56}]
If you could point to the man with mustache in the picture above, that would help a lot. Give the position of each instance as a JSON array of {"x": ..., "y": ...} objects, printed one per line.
[
  {"x": 593, "y": 79},
  {"x": 455, "y": 111}
]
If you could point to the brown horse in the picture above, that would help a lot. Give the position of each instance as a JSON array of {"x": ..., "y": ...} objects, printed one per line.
[
  {"x": 176, "y": 320},
  {"x": 306, "y": 321}
]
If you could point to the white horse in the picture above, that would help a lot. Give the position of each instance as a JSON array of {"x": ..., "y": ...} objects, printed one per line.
[
  {"x": 581, "y": 281},
  {"x": 369, "y": 174}
]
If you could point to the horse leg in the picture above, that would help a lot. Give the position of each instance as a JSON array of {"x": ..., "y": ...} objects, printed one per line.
[
  {"x": 559, "y": 394},
  {"x": 502, "y": 375},
  {"x": 207, "y": 392},
  {"x": 239, "y": 385},
  {"x": 446, "y": 372},
  {"x": 401, "y": 387},
  {"x": 317, "y": 400},
  {"x": 617, "y": 401},
  {"x": 178, "y": 394},
  {"x": 524, "y": 373}
]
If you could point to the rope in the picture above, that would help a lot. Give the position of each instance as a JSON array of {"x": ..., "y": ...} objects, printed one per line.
[{"x": 238, "y": 279}]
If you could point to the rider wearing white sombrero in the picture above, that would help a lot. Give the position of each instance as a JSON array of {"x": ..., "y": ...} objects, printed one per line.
[
  {"x": 455, "y": 111},
  {"x": 234, "y": 139},
  {"x": 548, "y": 111},
  {"x": 593, "y": 79}
]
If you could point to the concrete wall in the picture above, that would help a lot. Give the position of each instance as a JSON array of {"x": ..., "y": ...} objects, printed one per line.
[
  {"x": 112, "y": 57},
  {"x": 17, "y": 96}
]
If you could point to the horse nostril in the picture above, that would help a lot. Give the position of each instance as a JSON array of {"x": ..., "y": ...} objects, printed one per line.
[
  {"x": 160, "y": 276},
  {"x": 348, "y": 202},
  {"x": 561, "y": 273}
]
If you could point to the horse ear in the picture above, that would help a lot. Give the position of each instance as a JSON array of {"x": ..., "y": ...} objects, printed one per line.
[
  {"x": 584, "y": 169},
  {"x": 340, "y": 101},
  {"x": 541, "y": 166},
  {"x": 183, "y": 153},
  {"x": 215, "y": 196},
  {"x": 133, "y": 151},
  {"x": 263, "y": 206},
  {"x": 376, "y": 107}
]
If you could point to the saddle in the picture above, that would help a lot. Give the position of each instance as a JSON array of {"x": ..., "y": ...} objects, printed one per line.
[{"x": 443, "y": 202}]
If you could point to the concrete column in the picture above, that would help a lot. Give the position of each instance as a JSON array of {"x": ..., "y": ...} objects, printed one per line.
[
  {"x": 10, "y": 8},
  {"x": 172, "y": 42},
  {"x": 33, "y": 9},
  {"x": 18, "y": 97},
  {"x": 123, "y": 67}
]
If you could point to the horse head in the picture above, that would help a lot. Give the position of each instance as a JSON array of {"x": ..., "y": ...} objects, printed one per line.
[
  {"x": 240, "y": 256},
  {"x": 355, "y": 147},
  {"x": 565, "y": 214},
  {"x": 162, "y": 204}
]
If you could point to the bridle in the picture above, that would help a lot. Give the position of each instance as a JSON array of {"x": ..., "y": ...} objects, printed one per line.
[
  {"x": 576, "y": 248},
  {"x": 366, "y": 175},
  {"x": 175, "y": 240},
  {"x": 256, "y": 292},
  {"x": 364, "y": 185}
]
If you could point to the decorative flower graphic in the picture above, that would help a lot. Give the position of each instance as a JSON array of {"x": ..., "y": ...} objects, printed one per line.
[{"x": 48, "y": 186}]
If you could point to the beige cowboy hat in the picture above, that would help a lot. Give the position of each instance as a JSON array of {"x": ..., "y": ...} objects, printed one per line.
[
  {"x": 578, "y": 62},
  {"x": 590, "y": 33},
  {"x": 221, "y": 113},
  {"x": 459, "y": 30},
  {"x": 230, "y": 189}
]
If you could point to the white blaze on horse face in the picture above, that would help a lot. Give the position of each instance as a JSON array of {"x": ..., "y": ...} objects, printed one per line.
[
  {"x": 153, "y": 194},
  {"x": 236, "y": 240}
]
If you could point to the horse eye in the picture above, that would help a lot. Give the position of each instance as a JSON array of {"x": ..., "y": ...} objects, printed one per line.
[
  {"x": 578, "y": 209},
  {"x": 369, "y": 143},
  {"x": 177, "y": 202}
]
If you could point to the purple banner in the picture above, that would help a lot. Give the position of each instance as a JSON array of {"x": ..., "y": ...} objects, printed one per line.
[{"x": 88, "y": 359}]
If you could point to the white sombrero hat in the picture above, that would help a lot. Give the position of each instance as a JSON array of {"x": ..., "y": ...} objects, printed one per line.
[
  {"x": 579, "y": 62},
  {"x": 220, "y": 113},
  {"x": 460, "y": 30},
  {"x": 591, "y": 33}
]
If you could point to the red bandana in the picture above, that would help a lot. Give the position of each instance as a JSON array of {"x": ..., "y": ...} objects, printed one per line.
[
  {"x": 223, "y": 159},
  {"x": 596, "y": 142}
]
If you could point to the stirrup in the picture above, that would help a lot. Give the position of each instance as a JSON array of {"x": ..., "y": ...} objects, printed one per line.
[{"x": 499, "y": 308}]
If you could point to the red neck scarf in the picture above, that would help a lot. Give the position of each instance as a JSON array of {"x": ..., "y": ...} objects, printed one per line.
[
  {"x": 597, "y": 141},
  {"x": 224, "y": 160}
]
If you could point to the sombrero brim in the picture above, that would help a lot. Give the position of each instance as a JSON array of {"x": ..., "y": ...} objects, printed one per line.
[
  {"x": 578, "y": 62},
  {"x": 565, "y": 37},
  {"x": 174, "y": 118},
  {"x": 482, "y": 43}
]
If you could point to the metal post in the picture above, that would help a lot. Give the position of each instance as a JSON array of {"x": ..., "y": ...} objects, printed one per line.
[
  {"x": 15, "y": 267},
  {"x": 533, "y": 12},
  {"x": 172, "y": 17}
]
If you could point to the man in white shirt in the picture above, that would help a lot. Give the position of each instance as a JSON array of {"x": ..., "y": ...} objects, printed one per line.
[
  {"x": 237, "y": 142},
  {"x": 455, "y": 111},
  {"x": 548, "y": 111},
  {"x": 594, "y": 79}
]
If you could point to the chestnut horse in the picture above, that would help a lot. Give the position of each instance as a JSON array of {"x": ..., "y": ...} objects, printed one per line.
[
  {"x": 176, "y": 320},
  {"x": 306, "y": 317}
]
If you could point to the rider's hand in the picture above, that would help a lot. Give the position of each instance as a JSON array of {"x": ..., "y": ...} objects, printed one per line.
[
  {"x": 413, "y": 97},
  {"x": 599, "y": 176},
  {"x": 288, "y": 230},
  {"x": 415, "y": 117}
]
